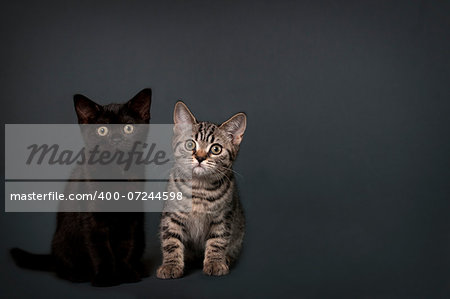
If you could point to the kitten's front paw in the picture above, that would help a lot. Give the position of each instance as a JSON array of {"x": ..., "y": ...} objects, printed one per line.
[
  {"x": 127, "y": 274},
  {"x": 216, "y": 268},
  {"x": 105, "y": 279},
  {"x": 141, "y": 269},
  {"x": 169, "y": 271}
]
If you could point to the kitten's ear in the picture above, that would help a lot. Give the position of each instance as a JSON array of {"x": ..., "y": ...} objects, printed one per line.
[
  {"x": 141, "y": 103},
  {"x": 235, "y": 126},
  {"x": 86, "y": 109},
  {"x": 182, "y": 115}
]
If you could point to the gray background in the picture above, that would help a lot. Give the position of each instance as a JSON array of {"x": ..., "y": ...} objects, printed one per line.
[{"x": 345, "y": 162}]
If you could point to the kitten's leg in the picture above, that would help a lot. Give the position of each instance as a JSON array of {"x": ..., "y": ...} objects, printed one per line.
[
  {"x": 102, "y": 258},
  {"x": 218, "y": 240},
  {"x": 234, "y": 247},
  {"x": 139, "y": 248},
  {"x": 172, "y": 236},
  {"x": 71, "y": 261},
  {"x": 124, "y": 249},
  {"x": 238, "y": 232}
]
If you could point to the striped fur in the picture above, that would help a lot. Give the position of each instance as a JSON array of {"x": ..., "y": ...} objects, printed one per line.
[{"x": 209, "y": 221}]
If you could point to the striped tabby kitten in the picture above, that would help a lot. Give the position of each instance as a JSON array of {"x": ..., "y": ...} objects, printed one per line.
[{"x": 210, "y": 223}]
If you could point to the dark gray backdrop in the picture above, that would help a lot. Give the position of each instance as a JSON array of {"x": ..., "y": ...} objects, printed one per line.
[{"x": 345, "y": 162}]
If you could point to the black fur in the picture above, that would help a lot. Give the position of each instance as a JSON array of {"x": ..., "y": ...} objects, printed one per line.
[{"x": 104, "y": 248}]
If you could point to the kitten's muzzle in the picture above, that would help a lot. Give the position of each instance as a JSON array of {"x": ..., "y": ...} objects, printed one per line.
[{"x": 116, "y": 138}]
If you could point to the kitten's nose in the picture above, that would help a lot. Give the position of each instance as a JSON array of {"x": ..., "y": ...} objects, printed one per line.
[
  {"x": 200, "y": 158},
  {"x": 116, "y": 138}
]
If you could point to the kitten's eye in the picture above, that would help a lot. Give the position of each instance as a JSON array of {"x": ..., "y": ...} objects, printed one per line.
[
  {"x": 190, "y": 145},
  {"x": 102, "y": 131},
  {"x": 215, "y": 149},
  {"x": 128, "y": 129}
]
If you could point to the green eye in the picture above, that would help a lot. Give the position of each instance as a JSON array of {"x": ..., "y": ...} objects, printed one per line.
[
  {"x": 190, "y": 145},
  {"x": 102, "y": 131},
  {"x": 215, "y": 149},
  {"x": 128, "y": 129}
]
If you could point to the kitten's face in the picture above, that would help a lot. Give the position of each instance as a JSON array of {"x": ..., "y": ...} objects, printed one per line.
[
  {"x": 205, "y": 149},
  {"x": 114, "y": 126}
]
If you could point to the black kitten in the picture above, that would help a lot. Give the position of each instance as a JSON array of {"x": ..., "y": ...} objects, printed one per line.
[{"x": 104, "y": 248}]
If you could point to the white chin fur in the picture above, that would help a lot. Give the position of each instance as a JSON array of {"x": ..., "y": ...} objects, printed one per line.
[{"x": 199, "y": 170}]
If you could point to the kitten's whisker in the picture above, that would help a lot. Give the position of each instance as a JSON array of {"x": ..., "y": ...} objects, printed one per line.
[
  {"x": 224, "y": 175},
  {"x": 234, "y": 171}
]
